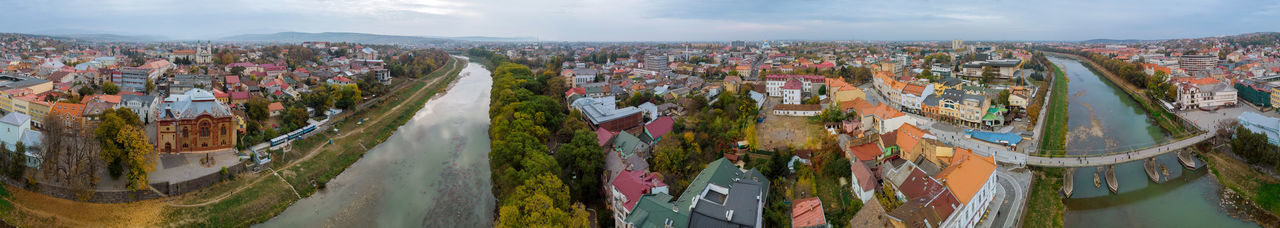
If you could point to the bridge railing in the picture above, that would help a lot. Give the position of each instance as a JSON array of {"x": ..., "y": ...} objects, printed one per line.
[{"x": 1113, "y": 151}]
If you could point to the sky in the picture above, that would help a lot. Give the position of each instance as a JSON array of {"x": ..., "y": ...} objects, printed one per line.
[{"x": 654, "y": 20}]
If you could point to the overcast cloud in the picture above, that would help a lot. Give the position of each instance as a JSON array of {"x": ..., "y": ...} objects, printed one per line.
[{"x": 654, "y": 20}]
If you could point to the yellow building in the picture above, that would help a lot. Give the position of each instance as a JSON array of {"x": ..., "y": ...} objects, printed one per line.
[
  {"x": 19, "y": 95},
  {"x": 1275, "y": 97},
  {"x": 840, "y": 91}
]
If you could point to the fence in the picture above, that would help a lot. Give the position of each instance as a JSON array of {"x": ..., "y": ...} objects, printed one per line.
[{"x": 126, "y": 196}]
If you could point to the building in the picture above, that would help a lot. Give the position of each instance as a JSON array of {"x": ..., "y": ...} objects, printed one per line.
[
  {"x": 19, "y": 94},
  {"x": 383, "y": 76},
  {"x": 840, "y": 91},
  {"x": 1202, "y": 63},
  {"x": 1005, "y": 68},
  {"x": 808, "y": 83},
  {"x": 972, "y": 178},
  {"x": 655, "y": 62},
  {"x": 579, "y": 77},
  {"x": 957, "y": 44},
  {"x": 879, "y": 119},
  {"x": 603, "y": 112},
  {"x": 627, "y": 188},
  {"x": 15, "y": 128},
  {"x": 791, "y": 91},
  {"x": 864, "y": 182},
  {"x": 797, "y": 109},
  {"x": 928, "y": 203},
  {"x": 1205, "y": 95},
  {"x": 194, "y": 122},
  {"x": 722, "y": 195},
  {"x": 913, "y": 95},
  {"x": 1258, "y": 123},
  {"x": 808, "y": 213},
  {"x": 184, "y": 82},
  {"x": 132, "y": 78},
  {"x": 68, "y": 112},
  {"x": 142, "y": 105}
]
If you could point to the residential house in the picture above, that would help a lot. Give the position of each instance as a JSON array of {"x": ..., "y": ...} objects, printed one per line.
[
  {"x": 808, "y": 213},
  {"x": 722, "y": 195},
  {"x": 863, "y": 182},
  {"x": 972, "y": 178},
  {"x": 15, "y": 128},
  {"x": 142, "y": 105},
  {"x": 840, "y": 91},
  {"x": 627, "y": 188}
]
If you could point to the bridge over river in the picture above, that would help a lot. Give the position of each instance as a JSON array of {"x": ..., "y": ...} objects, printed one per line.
[{"x": 1109, "y": 158}]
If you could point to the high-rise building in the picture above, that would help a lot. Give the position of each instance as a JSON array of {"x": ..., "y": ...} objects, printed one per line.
[
  {"x": 655, "y": 62},
  {"x": 1197, "y": 62},
  {"x": 957, "y": 44}
]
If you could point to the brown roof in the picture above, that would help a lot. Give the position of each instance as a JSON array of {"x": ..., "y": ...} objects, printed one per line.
[
  {"x": 807, "y": 212},
  {"x": 906, "y": 137},
  {"x": 968, "y": 173},
  {"x": 866, "y": 151},
  {"x": 913, "y": 89}
]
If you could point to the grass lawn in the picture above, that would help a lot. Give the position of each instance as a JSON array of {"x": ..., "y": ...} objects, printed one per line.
[
  {"x": 1055, "y": 131},
  {"x": 839, "y": 204},
  {"x": 1044, "y": 197},
  {"x": 1045, "y": 206}
]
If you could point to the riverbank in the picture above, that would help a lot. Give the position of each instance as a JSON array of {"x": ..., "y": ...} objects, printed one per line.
[
  {"x": 1168, "y": 121},
  {"x": 1045, "y": 196},
  {"x": 1260, "y": 192},
  {"x": 251, "y": 198}
]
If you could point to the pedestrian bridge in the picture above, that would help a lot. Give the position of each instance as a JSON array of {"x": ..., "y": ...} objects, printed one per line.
[{"x": 1110, "y": 158}]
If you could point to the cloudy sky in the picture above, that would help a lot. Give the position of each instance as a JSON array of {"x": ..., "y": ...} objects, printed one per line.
[{"x": 654, "y": 20}]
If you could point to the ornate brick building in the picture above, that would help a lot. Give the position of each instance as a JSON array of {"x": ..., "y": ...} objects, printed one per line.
[{"x": 194, "y": 122}]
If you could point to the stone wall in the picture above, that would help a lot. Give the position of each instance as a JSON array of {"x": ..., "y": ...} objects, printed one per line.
[{"x": 126, "y": 196}]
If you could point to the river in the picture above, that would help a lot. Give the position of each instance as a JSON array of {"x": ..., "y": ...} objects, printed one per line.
[
  {"x": 432, "y": 172},
  {"x": 1103, "y": 118}
]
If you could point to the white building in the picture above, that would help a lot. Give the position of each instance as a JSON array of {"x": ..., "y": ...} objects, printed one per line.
[
  {"x": 791, "y": 91},
  {"x": 1206, "y": 95},
  {"x": 913, "y": 95},
  {"x": 809, "y": 83},
  {"x": 143, "y": 106},
  {"x": 16, "y": 127},
  {"x": 972, "y": 178}
]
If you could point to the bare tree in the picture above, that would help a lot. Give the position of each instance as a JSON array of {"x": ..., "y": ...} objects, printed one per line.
[{"x": 71, "y": 154}]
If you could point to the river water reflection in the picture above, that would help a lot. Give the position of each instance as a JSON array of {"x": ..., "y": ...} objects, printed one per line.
[
  {"x": 1103, "y": 119},
  {"x": 432, "y": 172}
]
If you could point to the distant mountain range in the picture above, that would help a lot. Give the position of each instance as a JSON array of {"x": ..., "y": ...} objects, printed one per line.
[
  {"x": 297, "y": 37},
  {"x": 1114, "y": 41}
]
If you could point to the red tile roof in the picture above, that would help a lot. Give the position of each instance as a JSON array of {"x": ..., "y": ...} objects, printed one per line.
[
  {"x": 659, "y": 127},
  {"x": 807, "y": 213},
  {"x": 866, "y": 151}
]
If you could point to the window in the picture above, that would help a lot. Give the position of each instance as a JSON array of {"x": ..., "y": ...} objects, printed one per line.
[
  {"x": 224, "y": 130},
  {"x": 204, "y": 129},
  {"x": 184, "y": 133}
]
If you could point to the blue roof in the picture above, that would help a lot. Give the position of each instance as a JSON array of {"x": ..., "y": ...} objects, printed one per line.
[{"x": 995, "y": 137}]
